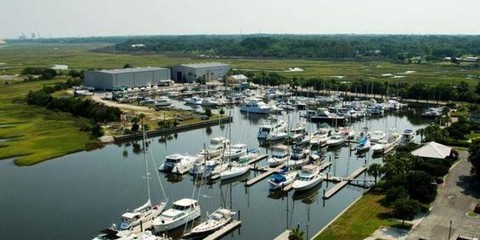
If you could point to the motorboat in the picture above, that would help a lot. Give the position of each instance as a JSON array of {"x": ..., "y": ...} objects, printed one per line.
[
  {"x": 211, "y": 102},
  {"x": 273, "y": 131},
  {"x": 408, "y": 135},
  {"x": 162, "y": 102},
  {"x": 323, "y": 115},
  {"x": 385, "y": 146},
  {"x": 346, "y": 132},
  {"x": 308, "y": 178},
  {"x": 335, "y": 140},
  {"x": 202, "y": 167},
  {"x": 195, "y": 100},
  {"x": 256, "y": 105},
  {"x": 282, "y": 179},
  {"x": 320, "y": 138},
  {"x": 186, "y": 164},
  {"x": 377, "y": 136},
  {"x": 216, "y": 220},
  {"x": 172, "y": 160},
  {"x": 216, "y": 147},
  {"x": 363, "y": 145},
  {"x": 280, "y": 154},
  {"x": 182, "y": 212},
  {"x": 298, "y": 158},
  {"x": 235, "y": 151}
]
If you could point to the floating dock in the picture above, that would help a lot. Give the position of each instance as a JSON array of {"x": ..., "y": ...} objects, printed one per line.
[
  {"x": 224, "y": 230},
  {"x": 343, "y": 183},
  {"x": 268, "y": 172},
  {"x": 259, "y": 158}
]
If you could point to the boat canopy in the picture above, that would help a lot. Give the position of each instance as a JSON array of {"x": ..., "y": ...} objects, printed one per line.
[{"x": 278, "y": 178}]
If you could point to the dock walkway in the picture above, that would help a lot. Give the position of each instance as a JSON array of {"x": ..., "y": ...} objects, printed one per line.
[
  {"x": 269, "y": 171},
  {"x": 343, "y": 183},
  {"x": 224, "y": 230}
]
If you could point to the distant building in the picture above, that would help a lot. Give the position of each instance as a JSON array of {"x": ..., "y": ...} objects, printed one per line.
[
  {"x": 127, "y": 77},
  {"x": 189, "y": 73}
]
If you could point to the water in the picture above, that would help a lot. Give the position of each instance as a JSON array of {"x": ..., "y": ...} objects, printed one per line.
[{"x": 75, "y": 196}]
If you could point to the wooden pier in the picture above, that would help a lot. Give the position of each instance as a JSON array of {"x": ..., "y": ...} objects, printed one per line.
[
  {"x": 268, "y": 172},
  {"x": 343, "y": 183},
  {"x": 259, "y": 158},
  {"x": 224, "y": 230}
]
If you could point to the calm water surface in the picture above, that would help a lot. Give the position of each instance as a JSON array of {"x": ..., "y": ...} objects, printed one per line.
[{"x": 75, "y": 196}]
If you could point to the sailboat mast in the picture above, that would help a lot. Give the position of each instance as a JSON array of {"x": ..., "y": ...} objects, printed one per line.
[{"x": 146, "y": 162}]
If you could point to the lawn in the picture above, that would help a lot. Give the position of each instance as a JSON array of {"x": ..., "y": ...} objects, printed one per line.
[
  {"x": 360, "y": 220},
  {"x": 34, "y": 134}
]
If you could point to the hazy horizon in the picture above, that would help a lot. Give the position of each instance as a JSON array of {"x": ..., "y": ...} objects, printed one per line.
[{"x": 104, "y": 18}]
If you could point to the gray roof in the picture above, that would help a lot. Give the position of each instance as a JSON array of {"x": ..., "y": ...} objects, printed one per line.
[
  {"x": 205, "y": 64},
  {"x": 130, "y": 70}
]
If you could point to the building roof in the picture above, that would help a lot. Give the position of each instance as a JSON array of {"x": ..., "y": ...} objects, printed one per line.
[
  {"x": 433, "y": 150},
  {"x": 239, "y": 77},
  {"x": 130, "y": 70},
  {"x": 205, "y": 64}
]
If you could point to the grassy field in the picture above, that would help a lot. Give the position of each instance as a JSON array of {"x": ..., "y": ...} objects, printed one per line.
[
  {"x": 359, "y": 221},
  {"x": 78, "y": 56},
  {"x": 35, "y": 134}
]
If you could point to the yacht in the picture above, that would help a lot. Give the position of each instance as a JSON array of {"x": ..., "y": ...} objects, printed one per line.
[
  {"x": 172, "y": 160},
  {"x": 235, "y": 151},
  {"x": 280, "y": 154},
  {"x": 211, "y": 102},
  {"x": 234, "y": 170},
  {"x": 186, "y": 164},
  {"x": 162, "y": 102},
  {"x": 320, "y": 138},
  {"x": 308, "y": 178},
  {"x": 273, "y": 131},
  {"x": 299, "y": 157},
  {"x": 216, "y": 147},
  {"x": 385, "y": 146},
  {"x": 216, "y": 220},
  {"x": 323, "y": 115},
  {"x": 256, "y": 105},
  {"x": 182, "y": 212},
  {"x": 282, "y": 179}
]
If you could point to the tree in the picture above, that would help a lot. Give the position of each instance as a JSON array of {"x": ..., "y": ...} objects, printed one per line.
[
  {"x": 296, "y": 234},
  {"x": 128, "y": 65},
  {"x": 474, "y": 157},
  {"x": 375, "y": 170},
  {"x": 405, "y": 208},
  {"x": 420, "y": 186},
  {"x": 135, "y": 125}
]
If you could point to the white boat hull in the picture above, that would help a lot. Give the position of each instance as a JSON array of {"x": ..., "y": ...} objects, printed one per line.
[
  {"x": 304, "y": 185},
  {"x": 234, "y": 172}
]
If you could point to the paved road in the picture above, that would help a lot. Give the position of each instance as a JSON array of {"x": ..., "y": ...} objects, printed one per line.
[{"x": 455, "y": 198}]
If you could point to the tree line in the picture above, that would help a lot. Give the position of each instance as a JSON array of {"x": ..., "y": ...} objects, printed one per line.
[
  {"x": 399, "y": 47},
  {"x": 86, "y": 108}
]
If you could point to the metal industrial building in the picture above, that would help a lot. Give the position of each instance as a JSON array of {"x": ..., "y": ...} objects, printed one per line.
[
  {"x": 191, "y": 72},
  {"x": 127, "y": 77}
]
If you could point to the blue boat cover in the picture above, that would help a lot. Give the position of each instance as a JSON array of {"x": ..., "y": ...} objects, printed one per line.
[{"x": 278, "y": 178}]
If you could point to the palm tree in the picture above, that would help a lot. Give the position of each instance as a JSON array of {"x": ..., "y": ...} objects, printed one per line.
[
  {"x": 296, "y": 234},
  {"x": 375, "y": 170}
]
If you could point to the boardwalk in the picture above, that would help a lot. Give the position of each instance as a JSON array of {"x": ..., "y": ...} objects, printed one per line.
[{"x": 226, "y": 229}]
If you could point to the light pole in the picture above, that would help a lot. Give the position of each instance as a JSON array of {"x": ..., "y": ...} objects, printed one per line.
[{"x": 450, "y": 230}]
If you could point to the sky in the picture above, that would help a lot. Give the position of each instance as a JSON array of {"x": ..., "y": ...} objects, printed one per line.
[{"x": 85, "y": 18}]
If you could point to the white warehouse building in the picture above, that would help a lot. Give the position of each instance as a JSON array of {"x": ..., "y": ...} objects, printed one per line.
[
  {"x": 126, "y": 78},
  {"x": 189, "y": 73}
]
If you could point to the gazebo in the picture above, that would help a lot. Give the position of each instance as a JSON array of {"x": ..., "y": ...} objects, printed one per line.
[{"x": 433, "y": 150}]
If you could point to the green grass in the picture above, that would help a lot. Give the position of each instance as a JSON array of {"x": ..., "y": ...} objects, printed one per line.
[
  {"x": 35, "y": 134},
  {"x": 359, "y": 221},
  {"x": 79, "y": 56}
]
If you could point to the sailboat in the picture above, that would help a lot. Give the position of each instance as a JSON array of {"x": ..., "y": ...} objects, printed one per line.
[
  {"x": 215, "y": 221},
  {"x": 147, "y": 211},
  {"x": 235, "y": 169}
]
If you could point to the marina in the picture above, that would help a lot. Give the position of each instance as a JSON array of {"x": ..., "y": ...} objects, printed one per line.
[{"x": 111, "y": 179}]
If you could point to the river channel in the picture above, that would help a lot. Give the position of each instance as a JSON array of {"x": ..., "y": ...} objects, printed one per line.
[{"x": 75, "y": 196}]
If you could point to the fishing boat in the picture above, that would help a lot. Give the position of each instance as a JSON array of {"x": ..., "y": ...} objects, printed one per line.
[
  {"x": 280, "y": 154},
  {"x": 308, "y": 178},
  {"x": 216, "y": 220},
  {"x": 282, "y": 179},
  {"x": 182, "y": 212}
]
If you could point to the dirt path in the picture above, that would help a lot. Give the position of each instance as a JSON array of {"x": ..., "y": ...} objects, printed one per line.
[{"x": 98, "y": 98}]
